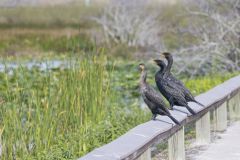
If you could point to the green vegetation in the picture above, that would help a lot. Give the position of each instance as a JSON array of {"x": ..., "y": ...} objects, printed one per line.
[
  {"x": 29, "y": 45},
  {"x": 202, "y": 84},
  {"x": 60, "y": 114},
  {"x": 60, "y": 16},
  {"x": 63, "y": 114}
]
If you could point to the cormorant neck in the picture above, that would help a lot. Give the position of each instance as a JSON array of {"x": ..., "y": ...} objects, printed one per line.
[
  {"x": 162, "y": 69},
  {"x": 143, "y": 77},
  {"x": 169, "y": 65}
]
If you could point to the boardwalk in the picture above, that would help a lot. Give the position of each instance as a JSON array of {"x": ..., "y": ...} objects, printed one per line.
[
  {"x": 226, "y": 148},
  {"x": 222, "y": 102}
]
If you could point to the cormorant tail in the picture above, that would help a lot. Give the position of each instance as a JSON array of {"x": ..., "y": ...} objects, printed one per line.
[
  {"x": 198, "y": 103},
  {"x": 190, "y": 110},
  {"x": 174, "y": 120}
]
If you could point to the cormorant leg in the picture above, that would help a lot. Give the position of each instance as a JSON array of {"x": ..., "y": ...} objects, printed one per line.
[
  {"x": 154, "y": 116},
  {"x": 171, "y": 106},
  {"x": 171, "y": 103}
]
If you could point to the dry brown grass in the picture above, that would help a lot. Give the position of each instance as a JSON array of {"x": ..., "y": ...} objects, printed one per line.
[{"x": 8, "y": 33}]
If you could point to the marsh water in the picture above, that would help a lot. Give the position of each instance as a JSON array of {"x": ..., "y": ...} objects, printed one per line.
[{"x": 41, "y": 65}]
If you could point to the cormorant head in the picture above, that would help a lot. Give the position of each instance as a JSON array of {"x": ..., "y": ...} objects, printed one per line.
[
  {"x": 159, "y": 62},
  {"x": 166, "y": 55},
  {"x": 141, "y": 67}
]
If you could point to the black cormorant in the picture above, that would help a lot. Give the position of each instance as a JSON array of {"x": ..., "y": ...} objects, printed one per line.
[
  {"x": 187, "y": 94},
  {"x": 169, "y": 89},
  {"x": 152, "y": 98}
]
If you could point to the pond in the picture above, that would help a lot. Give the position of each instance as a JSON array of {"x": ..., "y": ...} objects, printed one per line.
[{"x": 41, "y": 65}]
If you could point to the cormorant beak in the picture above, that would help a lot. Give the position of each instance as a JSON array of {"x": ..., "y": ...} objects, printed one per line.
[
  {"x": 162, "y": 56},
  {"x": 156, "y": 61},
  {"x": 141, "y": 67}
]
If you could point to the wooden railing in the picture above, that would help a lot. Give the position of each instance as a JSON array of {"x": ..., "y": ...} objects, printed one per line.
[{"x": 223, "y": 102}]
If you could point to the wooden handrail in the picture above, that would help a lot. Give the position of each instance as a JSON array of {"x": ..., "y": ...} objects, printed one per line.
[{"x": 138, "y": 140}]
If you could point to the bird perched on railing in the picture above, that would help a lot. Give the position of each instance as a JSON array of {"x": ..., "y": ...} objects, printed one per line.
[
  {"x": 152, "y": 98},
  {"x": 169, "y": 89},
  {"x": 187, "y": 94}
]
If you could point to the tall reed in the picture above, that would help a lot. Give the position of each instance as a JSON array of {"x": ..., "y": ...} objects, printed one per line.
[{"x": 46, "y": 115}]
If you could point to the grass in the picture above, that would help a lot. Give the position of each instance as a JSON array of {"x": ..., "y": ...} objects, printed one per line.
[
  {"x": 60, "y": 114},
  {"x": 31, "y": 44},
  {"x": 64, "y": 114},
  {"x": 43, "y": 111},
  {"x": 202, "y": 84},
  {"x": 44, "y": 31},
  {"x": 48, "y": 16}
]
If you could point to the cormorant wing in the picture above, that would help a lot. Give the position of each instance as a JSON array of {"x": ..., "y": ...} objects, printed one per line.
[
  {"x": 175, "y": 80},
  {"x": 174, "y": 91},
  {"x": 181, "y": 85},
  {"x": 156, "y": 98}
]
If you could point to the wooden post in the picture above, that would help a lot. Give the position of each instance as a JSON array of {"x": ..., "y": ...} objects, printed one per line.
[
  {"x": 237, "y": 107},
  {"x": 232, "y": 108},
  {"x": 203, "y": 130},
  {"x": 220, "y": 118},
  {"x": 176, "y": 147},
  {"x": 146, "y": 155}
]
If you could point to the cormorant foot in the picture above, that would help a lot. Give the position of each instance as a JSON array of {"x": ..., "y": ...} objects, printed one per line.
[{"x": 154, "y": 117}]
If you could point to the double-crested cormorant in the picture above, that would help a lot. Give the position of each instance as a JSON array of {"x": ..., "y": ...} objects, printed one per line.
[
  {"x": 152, "y": 98},
  {"x": 187, "y": 94},
  {"x": 169, "y": 89}
]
